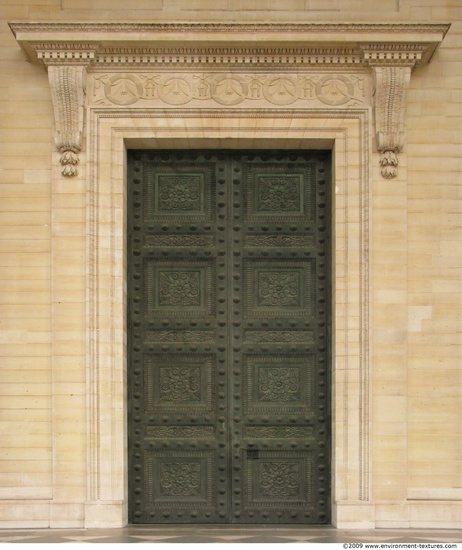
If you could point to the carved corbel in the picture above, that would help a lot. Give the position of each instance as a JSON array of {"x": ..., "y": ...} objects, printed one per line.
[
  {"x": 390, "y": 90},
  {"x": 67, "y": 70},
  {"x": 391, "y": 75},
  {"x": 67, "y": 84}
]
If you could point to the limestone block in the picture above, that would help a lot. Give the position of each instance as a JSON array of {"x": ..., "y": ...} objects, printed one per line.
[
  {"x": 67, "y": 515},
  {"x": 24, "y": 515}
]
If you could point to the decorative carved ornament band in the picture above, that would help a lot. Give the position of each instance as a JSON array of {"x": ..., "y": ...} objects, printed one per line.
[{"x": 229, "y": 63}]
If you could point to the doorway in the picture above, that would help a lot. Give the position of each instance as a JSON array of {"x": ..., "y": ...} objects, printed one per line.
[{"x": 229, "y": 329}]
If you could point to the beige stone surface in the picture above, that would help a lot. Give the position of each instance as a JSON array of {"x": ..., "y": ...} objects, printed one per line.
[{"x": 397, "y": 384}]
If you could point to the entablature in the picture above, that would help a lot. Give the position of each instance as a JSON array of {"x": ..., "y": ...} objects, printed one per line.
[{"x": 388, "y": 52}]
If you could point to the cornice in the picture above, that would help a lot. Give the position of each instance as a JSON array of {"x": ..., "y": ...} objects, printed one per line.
[
  {"x": 83, "y": 26},
  {"x": 276, "y": 38}
]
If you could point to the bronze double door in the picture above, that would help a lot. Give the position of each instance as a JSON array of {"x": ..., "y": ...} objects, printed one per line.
[{"x": 228, "y": 336}]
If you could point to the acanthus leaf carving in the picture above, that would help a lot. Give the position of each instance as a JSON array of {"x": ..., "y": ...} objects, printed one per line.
[
  {"x": 69, "y": 159},
  {"x": 389, "y": 164}
]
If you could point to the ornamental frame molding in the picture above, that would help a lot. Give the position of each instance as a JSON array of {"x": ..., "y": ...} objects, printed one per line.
[
  {"x": 111, "y": 132},
  {"x": 386, "y": 53}
]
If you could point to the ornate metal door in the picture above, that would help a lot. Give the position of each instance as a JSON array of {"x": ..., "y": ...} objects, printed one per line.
[{"x": 228, "y": 336}]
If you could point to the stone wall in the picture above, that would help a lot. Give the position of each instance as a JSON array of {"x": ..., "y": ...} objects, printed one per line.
[{"x": 414, "y": 395}]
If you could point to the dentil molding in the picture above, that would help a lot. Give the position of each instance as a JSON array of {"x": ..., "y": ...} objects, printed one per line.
[{"x": 229, "y": 63}]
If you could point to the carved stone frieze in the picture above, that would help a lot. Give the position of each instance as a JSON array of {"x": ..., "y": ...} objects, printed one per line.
[
  {"x": 226, "y": 89},
  {"x": 186, "y": 63}
]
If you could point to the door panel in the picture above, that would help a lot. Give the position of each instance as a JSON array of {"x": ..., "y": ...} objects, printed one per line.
[{"x": 228, "y": 337}]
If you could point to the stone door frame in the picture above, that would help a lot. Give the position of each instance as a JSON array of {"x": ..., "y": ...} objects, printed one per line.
[{"x": 115, "y": 131}]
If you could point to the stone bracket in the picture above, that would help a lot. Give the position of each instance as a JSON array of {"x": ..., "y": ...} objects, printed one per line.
[
  {"x": 67, "y": 92},
  {"x": 391, "y": 67},
  {"x": 67, "y": 69},
  {"x": 388, "y": 51},
  {"x": 390, "y": 88}
]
